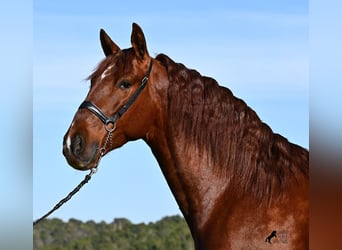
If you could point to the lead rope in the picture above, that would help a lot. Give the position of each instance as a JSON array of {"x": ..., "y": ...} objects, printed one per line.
[
  {"x": 68, "y": 197},
  {"x": 86, "y": 178}
]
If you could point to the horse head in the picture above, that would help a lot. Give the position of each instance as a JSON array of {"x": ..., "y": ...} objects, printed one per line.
[{"x": 117, "y": 107}]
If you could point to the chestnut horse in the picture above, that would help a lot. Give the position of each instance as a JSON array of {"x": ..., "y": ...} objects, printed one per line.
[{"x": 234, "y": 180}]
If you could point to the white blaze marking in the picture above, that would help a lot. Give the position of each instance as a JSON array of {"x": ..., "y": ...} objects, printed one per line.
[
  {"x": 68, "y": 142},
  {"x": 106, "y": 72}
]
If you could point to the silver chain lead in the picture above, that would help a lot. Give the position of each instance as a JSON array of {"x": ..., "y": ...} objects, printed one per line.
[{"x": 108, "y": 139}]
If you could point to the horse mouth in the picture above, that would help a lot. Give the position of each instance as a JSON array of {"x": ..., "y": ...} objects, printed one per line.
[{"x": 81, "y": 165}]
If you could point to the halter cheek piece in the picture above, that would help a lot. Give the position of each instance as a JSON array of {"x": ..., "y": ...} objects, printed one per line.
[{"x": 110, "y": 122}]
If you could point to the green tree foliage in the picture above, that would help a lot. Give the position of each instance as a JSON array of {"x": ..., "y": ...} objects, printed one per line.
[{"x": 170, "y": 233}]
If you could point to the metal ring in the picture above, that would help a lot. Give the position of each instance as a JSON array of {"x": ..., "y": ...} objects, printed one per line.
[
  {"x": 102, "y": 152},
  {"x": 110, "y": 126}
]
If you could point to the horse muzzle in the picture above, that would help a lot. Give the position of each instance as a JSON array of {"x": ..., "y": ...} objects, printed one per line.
[{"x": 79, "y": 153}]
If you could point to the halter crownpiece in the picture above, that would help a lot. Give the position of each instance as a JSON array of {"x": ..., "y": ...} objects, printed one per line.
[{"x": 112, "y": 120}]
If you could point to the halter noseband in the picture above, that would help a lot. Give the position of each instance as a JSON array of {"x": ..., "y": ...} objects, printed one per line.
[{"x": 107, "y": 121}]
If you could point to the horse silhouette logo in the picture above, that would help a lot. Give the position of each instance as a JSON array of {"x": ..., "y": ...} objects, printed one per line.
[{"x": 268, "y": 238}]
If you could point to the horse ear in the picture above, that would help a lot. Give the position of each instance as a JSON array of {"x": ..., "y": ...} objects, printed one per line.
[
  {"x": 108, "y": 46},
  {"x": 138, "y": 41}
]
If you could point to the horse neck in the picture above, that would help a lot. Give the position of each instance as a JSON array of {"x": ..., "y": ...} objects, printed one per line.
[
  {"x": 204, "y": 192},
  {"x": 187, "y": 173},
  {"x": 195, "y": 187}
]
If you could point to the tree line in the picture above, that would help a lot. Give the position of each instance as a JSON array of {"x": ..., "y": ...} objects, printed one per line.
[{"x": 169, "y": 233}]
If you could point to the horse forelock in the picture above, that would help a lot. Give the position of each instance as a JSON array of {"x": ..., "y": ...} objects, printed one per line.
[{"x": 238, "y": 143}]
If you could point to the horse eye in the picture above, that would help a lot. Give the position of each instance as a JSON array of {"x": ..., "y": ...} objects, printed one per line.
[{"x": 125, "y": 85}]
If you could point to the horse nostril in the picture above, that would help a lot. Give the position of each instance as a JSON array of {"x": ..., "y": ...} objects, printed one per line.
[{"x": 77, "y": 145}]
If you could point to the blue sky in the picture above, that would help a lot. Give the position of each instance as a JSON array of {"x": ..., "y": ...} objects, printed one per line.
[{"x": 258, "y": 49}]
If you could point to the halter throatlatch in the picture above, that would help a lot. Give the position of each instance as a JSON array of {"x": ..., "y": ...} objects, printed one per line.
[{"x": 110, "y": 122}]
